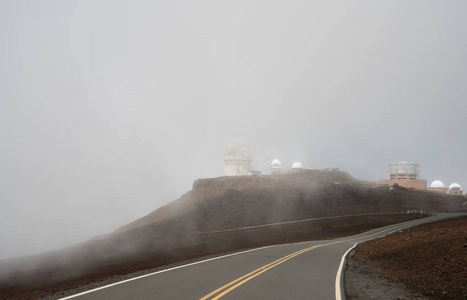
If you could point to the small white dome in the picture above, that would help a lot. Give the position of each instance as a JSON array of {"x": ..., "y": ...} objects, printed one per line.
[
  {"x": 297, "y": 165},
  {"x": 275, "y": 164},
  {"x": 437, "y": 184},
  {"x": 455, "y": 186}
]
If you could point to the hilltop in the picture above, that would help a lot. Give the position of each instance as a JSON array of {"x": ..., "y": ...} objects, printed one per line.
[
  {"x": 219, "y": 201},
  {"x": 224, "y": 214},
  {"x": 231, "y": 202}
]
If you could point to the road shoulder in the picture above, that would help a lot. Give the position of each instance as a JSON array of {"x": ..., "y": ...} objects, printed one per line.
[{"x": 362, "y": 281}]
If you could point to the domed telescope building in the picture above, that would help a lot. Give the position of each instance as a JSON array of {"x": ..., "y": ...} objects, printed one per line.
[
  {"x": 276, "y": 166},
  {"x": 297, "y": 167},
  {"x": 455, "y": 189},
  {"x": 437, "y": 186},
  {"x": 405, "y": 174},
  {"x": 237, "y": 158}
]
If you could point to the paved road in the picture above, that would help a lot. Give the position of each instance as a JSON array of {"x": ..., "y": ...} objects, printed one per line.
[{"x": 293, "y": 271}]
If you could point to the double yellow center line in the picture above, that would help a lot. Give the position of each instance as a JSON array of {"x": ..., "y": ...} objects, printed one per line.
[
  {"x": 220, "y": 292},
  {"x": 239, "y": 281}
]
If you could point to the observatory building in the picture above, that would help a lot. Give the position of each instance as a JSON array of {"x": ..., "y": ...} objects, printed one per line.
[
  {"x": 276, "y": 167},
  {"x": 438, "y": 187},
  {"x": 297, "y": 167},
  {"x": 237, "y": 158},
  {"x": 455, "y": 189},
  {"x": 405, "y": 174},
  {"x": 404, "y": 170}
]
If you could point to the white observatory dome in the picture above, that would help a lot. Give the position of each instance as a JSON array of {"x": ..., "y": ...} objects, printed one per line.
[
  {"x": 455, "y": 186},
  {"x": 437, "y": 184},
  {"x": 275, "y": 164},
  {"x": 297, "y": 165}
]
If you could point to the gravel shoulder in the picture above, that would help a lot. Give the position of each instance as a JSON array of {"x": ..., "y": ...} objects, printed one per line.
[{"x": 364, "y": 282}]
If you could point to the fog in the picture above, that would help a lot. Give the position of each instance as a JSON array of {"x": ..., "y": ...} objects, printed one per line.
[{"x": 111, "y": 109}]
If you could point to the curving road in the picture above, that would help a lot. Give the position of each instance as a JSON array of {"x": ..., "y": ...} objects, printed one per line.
[{"x": 305, "y": 270}]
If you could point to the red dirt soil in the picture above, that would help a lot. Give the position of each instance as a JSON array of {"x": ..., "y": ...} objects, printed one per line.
[{"x": 429, "y": 259}]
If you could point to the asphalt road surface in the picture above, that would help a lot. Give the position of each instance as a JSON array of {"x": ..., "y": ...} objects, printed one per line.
[{"x": 305, "y": 270}]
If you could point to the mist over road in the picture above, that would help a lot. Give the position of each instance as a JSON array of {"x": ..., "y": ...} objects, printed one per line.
[
  {"x": 119, "y": 107},
  {"x": 291, "y": 271}
]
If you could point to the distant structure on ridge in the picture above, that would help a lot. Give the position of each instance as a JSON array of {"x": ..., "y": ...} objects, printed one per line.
[
  {"x": 237, "y": 158},
  {"x": 437, "y": 186},
  {"x": 405, "y": 174},
  {"x": 455, "y": 189},
  {"x": 276, "y": 167},
  {"x": 297, "y": 167}
]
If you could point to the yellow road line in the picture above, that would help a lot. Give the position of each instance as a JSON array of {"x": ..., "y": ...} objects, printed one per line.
[
  {"x": 250, "y": 274},
  {"x": 262, "y": 271},
  {"x": 241, "y": 280}
]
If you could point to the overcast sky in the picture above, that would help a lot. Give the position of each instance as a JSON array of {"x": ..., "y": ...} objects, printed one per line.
[{"x": 111, "y": 109}]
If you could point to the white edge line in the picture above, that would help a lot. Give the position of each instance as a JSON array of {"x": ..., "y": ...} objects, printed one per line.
[
  {"x": 158, "y": 272},
  {"x": 339, "y": 275},
  {"x": 338, "y": 286}
]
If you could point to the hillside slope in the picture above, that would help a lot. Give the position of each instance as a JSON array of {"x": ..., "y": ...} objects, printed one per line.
[{"x": 189, "y": 227}]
